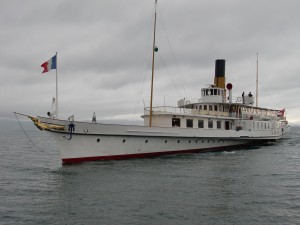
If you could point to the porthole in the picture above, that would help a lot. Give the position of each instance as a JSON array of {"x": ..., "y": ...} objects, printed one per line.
[
  {"x": 166, "y": 141},
  {"x": 98, "y": 140},
  {"x": 202, "y": 141},
  {"x": 189, "y": 141},
  {"x": 178, "y": 141},
  {"x": 196, "y": 141},
  {"x": 146, "y": 141},
  {"x": 124, "y": 140},
  {"x": 85, "y": 131}
]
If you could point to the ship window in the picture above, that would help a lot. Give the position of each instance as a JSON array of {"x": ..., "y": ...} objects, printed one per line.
[
  {"x": 189, "y": 123},
  {"x": 175, "y": 122},
  {"x": 210, "y": 124},
  {"x": 200, "y": 107},
  {"x": 98, "y": 140},
  {"x": 166, "y": 141},
  {"x": 205, "y": 107},
  {"x": 216, "y": 108},
  {"x": 218, "y": 92},
  {"x": 200, "y": 123},
  {"x": 146, "y": 141},
  {"x": 210, "y": 107},
  {"x": 219, "y": 124},
  {"x": 227, "y": 125},
  {"x": 215, "y": 91},
  {"x": 206, "y": 92},
  {"x": 265, "y": 125},
  {"x": 211, "y": 91}
]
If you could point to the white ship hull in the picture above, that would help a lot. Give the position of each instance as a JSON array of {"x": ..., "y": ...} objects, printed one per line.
[{"x": 89, "y": 142}]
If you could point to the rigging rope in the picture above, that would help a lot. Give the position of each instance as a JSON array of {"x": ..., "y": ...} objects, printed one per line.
[
  {"x": 182, "y": 81},
  {"x": 143, "y": 77},
  {"x": 30, "y": 140}
]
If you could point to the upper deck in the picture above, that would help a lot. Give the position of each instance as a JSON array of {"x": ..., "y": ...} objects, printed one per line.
[{"x": 224, "y": 110}]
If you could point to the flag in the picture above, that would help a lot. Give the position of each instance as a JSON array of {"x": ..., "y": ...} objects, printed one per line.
[{"x": 49, "y": 65}]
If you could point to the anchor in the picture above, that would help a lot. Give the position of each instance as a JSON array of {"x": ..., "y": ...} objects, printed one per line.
[{"x": 71, "y": 129}]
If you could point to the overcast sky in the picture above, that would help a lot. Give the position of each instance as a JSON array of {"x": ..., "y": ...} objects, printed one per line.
[{"x": 104, "y": 49}]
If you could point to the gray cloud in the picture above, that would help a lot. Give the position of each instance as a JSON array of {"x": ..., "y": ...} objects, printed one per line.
[{"x": 104, "y": 49}]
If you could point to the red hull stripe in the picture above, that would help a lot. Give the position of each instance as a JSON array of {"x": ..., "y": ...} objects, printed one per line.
[{"x": 141, "y": 155}]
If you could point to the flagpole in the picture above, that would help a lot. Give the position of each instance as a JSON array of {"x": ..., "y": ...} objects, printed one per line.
[
  {"x": 154, "y": 49},
  {"x": 56, "y": 102},
  {"x": 256, "y": 79}
]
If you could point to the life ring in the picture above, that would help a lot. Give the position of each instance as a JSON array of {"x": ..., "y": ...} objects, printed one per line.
[{"x": 239, "y": 99}]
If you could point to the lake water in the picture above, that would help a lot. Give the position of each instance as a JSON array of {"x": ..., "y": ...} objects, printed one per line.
[{"x": 258, "y": 185}]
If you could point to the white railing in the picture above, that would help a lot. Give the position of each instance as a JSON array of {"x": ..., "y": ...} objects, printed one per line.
[
  {"x": 169, "y": 109},
  {"x": 186, "y": 111}
]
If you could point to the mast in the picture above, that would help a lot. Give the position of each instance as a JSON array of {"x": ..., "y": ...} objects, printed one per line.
[
  {"x": 154, "y": 49},
  {"x": 256, "y": 80},
  {"x": 56, "y": 102}
]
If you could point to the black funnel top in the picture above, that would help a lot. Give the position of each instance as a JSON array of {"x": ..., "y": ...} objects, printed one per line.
[{"x": 220, "y": 68}]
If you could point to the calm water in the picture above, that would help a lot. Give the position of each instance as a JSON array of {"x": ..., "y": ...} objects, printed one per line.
[{"x": 251, "y": 186}]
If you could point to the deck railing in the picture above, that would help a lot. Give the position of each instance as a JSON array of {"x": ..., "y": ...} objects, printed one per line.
[{"x": 192, "y": 112}]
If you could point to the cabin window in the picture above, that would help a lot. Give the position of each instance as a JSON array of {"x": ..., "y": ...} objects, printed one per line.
[
  {"x": 206, "y": 92},
  {"x": 200, "y": 107},
  {"x": 216, "y": 108},
  {"x": 210, "y": 107},
  {"x": 227, "y": 125},
  {"x": 218, "y": 92},
  {"x": 200, "y": 123},
  {"x": 219, "y": 124},
  {"x": 205, "y": 107},
  {"x": 211, "y": 92},
  {"x": 210, "y": 124},
  {"x": 175, "y": 122},
  {"x": 189, "y": 123},
  {"x": 265, "y": 126},
  {"x": 215, "y": 92}
]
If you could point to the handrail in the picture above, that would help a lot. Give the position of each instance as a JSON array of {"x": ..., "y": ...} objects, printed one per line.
[{"x": 186, "y": 111}]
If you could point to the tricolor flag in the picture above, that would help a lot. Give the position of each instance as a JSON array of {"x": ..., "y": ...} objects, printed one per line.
[{"x": 49, "y": 65}]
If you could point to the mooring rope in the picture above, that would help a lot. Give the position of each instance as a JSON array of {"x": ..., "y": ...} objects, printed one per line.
[{"x": 30, "y": 140}]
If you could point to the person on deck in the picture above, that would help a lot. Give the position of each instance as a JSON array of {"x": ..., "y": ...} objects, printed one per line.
[{"x": 243, "y": 96}]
